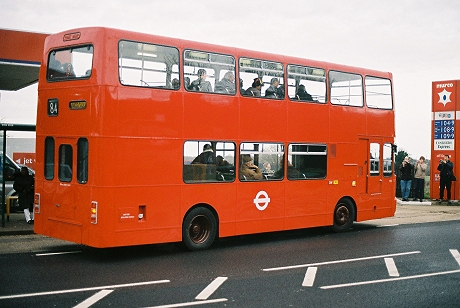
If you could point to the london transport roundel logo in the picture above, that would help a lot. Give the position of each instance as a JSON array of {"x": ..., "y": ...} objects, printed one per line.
[{"x": 262, "y": 200}]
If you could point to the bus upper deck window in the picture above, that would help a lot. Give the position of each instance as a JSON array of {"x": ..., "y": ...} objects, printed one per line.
[
  {"x": 306, "y": 84},
  {"x": 148, "y": 65},
  {"x": 261, "y": 78},
  {"x": 70, "y": 63},
  {"x": 209, "y": 72}
]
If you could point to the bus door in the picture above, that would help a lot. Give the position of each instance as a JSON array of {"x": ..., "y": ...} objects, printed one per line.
[
  {"x": 61, "y": 192},
  {"x": 369, "y": 173}
]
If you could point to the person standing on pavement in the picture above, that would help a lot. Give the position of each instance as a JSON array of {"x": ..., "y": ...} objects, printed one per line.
[
  {"x": 419, "y": 179},
  {"x": 406, "y": 178},
  {"x": 445, "y": 168},
  {"x": 24, "y": 185}
]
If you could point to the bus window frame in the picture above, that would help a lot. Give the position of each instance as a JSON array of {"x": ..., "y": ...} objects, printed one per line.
[
  {"x": 292, "y": 153},
  {"x": 390, "y": 94},
  {"x": 144, "y": 84},
  {"x": 259, "y": 71},
  {"x": 65, "y": 164},
  {"x": 49, "y": 156},
  {"x": 374, "y": 165},
  {"x": 82, "y": 162},
  {"x": 86, "y": 76},
  {"x": 278, "y": 174},
  {"x": 207, "y": 65},
  {"x": 361, "y": 86},
  {"x": 298, "y": 83},
  {"x": 193, "y": 173},
  {"x": 388, "y": 172}
]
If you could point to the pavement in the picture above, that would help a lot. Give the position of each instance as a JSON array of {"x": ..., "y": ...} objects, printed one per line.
[
  {"x": 15, "y": 225},
  {"x": 406, "y": 212}
]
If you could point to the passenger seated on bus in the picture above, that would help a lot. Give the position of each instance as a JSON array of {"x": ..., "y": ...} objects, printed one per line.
[
  {"x": 220, "y": 161},
  {"x": 249, "y": 171},
  {"x": 223, "y": 165},
  {"x": 227, "y": 84},
  {"x": 274, "y": 91},
  {"x": 186, "y": 82},
  {"x": 302, "y": 94},
  {"x": 68, "y": 69},
  {"x": 201, "y": 84},
  {"x": 206, "y": 157},
  {"x": 175, "y": 84},
  {"x": 268, "y": 169},
  {"x": 254, "y": 90}
]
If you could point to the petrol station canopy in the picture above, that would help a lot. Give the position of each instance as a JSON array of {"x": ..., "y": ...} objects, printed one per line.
[{"x": 20, "y": 57}]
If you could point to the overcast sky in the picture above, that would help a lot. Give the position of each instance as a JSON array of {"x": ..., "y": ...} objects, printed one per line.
[{"x": 418, "y": 41}]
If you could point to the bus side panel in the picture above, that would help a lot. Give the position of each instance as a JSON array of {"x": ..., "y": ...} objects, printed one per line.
[
  {"x": 259, "y": 116},
  {"x": 220, "y": 196},
  {"x": 307, "y": 204},
  {"x": 260, "y": 207},
  {"x": 374, "y": 207},
  {"x": 346, "y": 123},
  {"x": 308, "y": 122},
  {"x": 210, "y": 116},
  {"x": 153, "y": 113},
  {"x": 380, "y": 123},
  {"x": 134, "y": 216}
]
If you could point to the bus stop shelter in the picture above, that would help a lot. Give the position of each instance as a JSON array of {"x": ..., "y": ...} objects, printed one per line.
[
  {"x": 20, "y": 57},
  {"x": 5, "y": 127}
]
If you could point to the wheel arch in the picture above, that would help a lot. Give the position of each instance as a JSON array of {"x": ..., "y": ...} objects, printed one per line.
[
  {"x": 209, "y": 207},
  {"x": 353, "y": 202}
]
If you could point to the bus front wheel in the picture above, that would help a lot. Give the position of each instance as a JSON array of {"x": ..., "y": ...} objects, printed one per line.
[
  {"x": 199, "y": 229},
  {"x": 344, "y": 215}
]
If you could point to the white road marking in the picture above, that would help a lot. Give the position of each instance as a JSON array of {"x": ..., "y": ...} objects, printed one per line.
[
  {"x": 211, "y": 288},
  {"x": 387, "y": 280},
  {"x": 393, "y": 225},
  {"x": 309, "y": 277},
  {"x": 56, "y": 253},
  {"x": 391, "y": 267},
  {"x": 127, "y": 285},
  {"x": 211, "y": 301},
  {"x": 338, "y": 261},
  {"x": 456, "y": 255},
  {"x": 94, "y": 299}
]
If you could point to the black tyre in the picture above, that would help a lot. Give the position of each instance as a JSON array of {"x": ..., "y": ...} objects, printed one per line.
[
  {"x": 199, "y": 229},
  {"x": 344, "y": 215}
]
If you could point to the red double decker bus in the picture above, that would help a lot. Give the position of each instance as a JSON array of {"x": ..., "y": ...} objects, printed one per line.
[{"x": 144, "y": 139}]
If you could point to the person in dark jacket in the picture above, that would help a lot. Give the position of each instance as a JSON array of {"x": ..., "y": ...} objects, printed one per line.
[
  {"x": 445, "y": 167},
  {"x": 227, "y": 84},
  {"x": 406, "y": 178},
  {"x": 206, "y": 157},
  {"x": 24, "y": 185},
  {"x": 302, "y": 94},
  {"x": 273, "y": 91},
  {"x": 254, "y": 90},
  {"x": 201, "y": 84}
]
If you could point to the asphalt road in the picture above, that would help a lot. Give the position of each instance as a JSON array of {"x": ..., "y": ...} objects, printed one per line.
[{"x": 387, "y": 265}]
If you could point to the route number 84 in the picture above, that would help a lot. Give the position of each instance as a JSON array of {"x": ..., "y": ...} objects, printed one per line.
[{"x": 52, "y": 107}]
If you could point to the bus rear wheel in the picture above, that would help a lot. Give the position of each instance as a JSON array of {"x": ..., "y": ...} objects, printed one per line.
[
  {"x": 199, "y": 229},
  {"x": 344, "y": 215}
]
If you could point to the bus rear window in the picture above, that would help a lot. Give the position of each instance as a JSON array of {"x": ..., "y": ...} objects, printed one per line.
[{"x": 70, "y": 63}]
